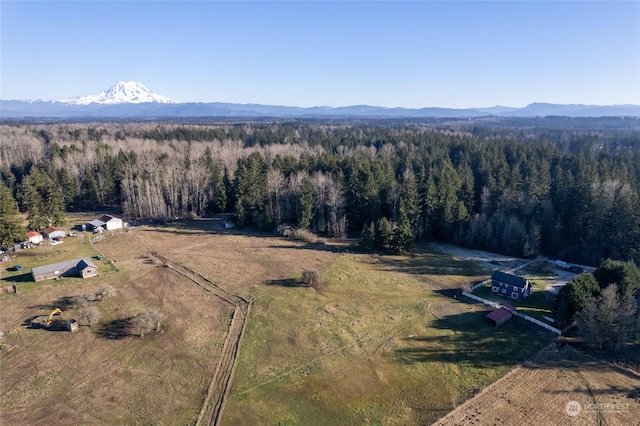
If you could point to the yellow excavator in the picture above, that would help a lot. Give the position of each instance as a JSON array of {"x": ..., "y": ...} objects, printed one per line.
[{"x": 56, "y": 311}]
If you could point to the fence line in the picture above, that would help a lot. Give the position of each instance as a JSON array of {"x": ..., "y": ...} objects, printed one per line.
[
  {"x": 517, "y": 268},
  {"x": 518, "y": 314},
  {"x": 538, "y": 322},
  {"x": 480, "y": 284},
  {"x": 480, "y": 299}
]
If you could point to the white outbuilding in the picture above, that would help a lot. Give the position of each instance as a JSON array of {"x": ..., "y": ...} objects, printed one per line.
[{"x": 111, "y": 222}]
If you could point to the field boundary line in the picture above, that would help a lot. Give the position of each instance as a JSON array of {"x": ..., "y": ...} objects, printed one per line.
[
  {"x": 218, "y": 389},
  {"x": 236, "y": 353}
]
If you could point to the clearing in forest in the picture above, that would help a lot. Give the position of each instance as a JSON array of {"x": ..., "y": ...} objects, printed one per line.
[{"x": 377, "y": 341}]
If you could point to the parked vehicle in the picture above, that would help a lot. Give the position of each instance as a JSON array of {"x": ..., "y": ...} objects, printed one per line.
[{"x": 576, "y": 269}]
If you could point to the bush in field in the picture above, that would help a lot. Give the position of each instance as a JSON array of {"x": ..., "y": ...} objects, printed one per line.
[
  {"x": 89, "y": 314},
  {"x": 300, "y": 235},
  {"x": 311, "y": 278}
]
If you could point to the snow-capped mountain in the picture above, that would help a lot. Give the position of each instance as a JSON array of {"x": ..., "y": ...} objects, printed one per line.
[{"x": 130, "y": 92}]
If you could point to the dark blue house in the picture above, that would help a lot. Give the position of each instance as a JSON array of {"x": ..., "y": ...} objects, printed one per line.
[{"x": 509, "y": 285}]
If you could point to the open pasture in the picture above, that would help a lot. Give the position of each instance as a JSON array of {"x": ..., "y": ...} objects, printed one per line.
[{"x": 377, "y": 342}]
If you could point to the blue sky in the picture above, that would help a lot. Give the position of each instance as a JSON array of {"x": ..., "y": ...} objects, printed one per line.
[{"x": 411, "y": 54}]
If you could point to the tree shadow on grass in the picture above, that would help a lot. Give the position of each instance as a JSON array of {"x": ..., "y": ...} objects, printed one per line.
[
  {"x": 116, "y": 329},
  {"x": 474, "y": 342},
  {"x": 286, "y": 282},
  {"x": 63, "y": 302},
  {"x": 434, "y": 264}
]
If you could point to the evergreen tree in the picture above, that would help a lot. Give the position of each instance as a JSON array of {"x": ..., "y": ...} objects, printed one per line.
[
  {"x": 625, "y": 275},
  {"x": 11, "y": 229},
  {"x": 33, "y": 202},
  {"x": 365, "y": 243},
  {"x": 403, "y": 239},
  {"x": 383, "y": 233},
  {"x": 69, "y": 189},
  {"x": 54, "y": 204},
  {"x": 251, "y": 189},
  {"x": 89, "y": 197},
  {"x": 572, "y": 297},
  {"x": 411, "y": 198}
]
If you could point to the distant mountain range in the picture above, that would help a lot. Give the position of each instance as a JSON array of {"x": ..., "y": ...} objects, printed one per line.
[{"x": 133, "y": 100}]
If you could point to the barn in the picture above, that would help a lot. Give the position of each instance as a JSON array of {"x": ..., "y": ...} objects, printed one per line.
[
  {"x": 107, "y": 222},
  {"x": 509, "y": 285},
  {"x": 111, "y": 222},
  {"x": 82, "y": 268},
  {"x": 501, "y": 315},
  {"x": 54, "y": 232},
  {"x": 95, "y": 224}
]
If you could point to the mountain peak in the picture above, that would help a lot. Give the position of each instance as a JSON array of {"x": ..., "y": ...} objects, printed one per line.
[{"x": 123, "y": 92}]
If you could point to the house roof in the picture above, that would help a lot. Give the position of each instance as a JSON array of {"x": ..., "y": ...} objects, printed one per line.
[
  {"x": 85, "y": 263},
  {"x": 97, "y": 222},
  {"x": 499, "y": 314},
  {"x": 51, "y": 229},
  {"x": 63, "y": 266},
  {"x": 107, "y": 217},
  {"x": 33, "y": 234},
  {"x": 509, "y": 279}
]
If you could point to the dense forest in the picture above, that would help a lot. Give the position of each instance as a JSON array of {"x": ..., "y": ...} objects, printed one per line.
[{"x": 570, "y": 193}]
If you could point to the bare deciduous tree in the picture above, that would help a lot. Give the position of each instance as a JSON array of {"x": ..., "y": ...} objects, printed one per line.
[
  {"x": 146, "y": 321},
  {"x": 89, "y": 314},
  {"x": 608, "y": 322},
  {"x": 83, "y": 299},
  {"x": 105, "y": 292}
]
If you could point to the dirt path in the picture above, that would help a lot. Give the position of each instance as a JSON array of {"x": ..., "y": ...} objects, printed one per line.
[{"x": 213, "y": 405}]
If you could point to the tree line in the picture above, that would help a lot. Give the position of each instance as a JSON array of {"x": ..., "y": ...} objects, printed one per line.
[
  {"x": 603, "y": 305},
  {"x": 569, "y": 193}
]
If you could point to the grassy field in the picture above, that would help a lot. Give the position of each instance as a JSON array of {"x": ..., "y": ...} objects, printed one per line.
[
  {"x": 379, "y": 342},
  {"x": 376, "y": 345}
]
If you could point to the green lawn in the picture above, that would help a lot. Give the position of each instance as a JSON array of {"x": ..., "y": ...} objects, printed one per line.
[
  {"x": 537, "y": 305},
  {"x": 366, "y": 349},
  {"x": 44, "y": 254}
]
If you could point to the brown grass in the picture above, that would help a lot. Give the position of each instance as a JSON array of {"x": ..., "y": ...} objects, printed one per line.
[
  {"x": 378, "y": 343},
  {"x": 538, "y": 391},
  {"x": 61, "y": 378}
]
